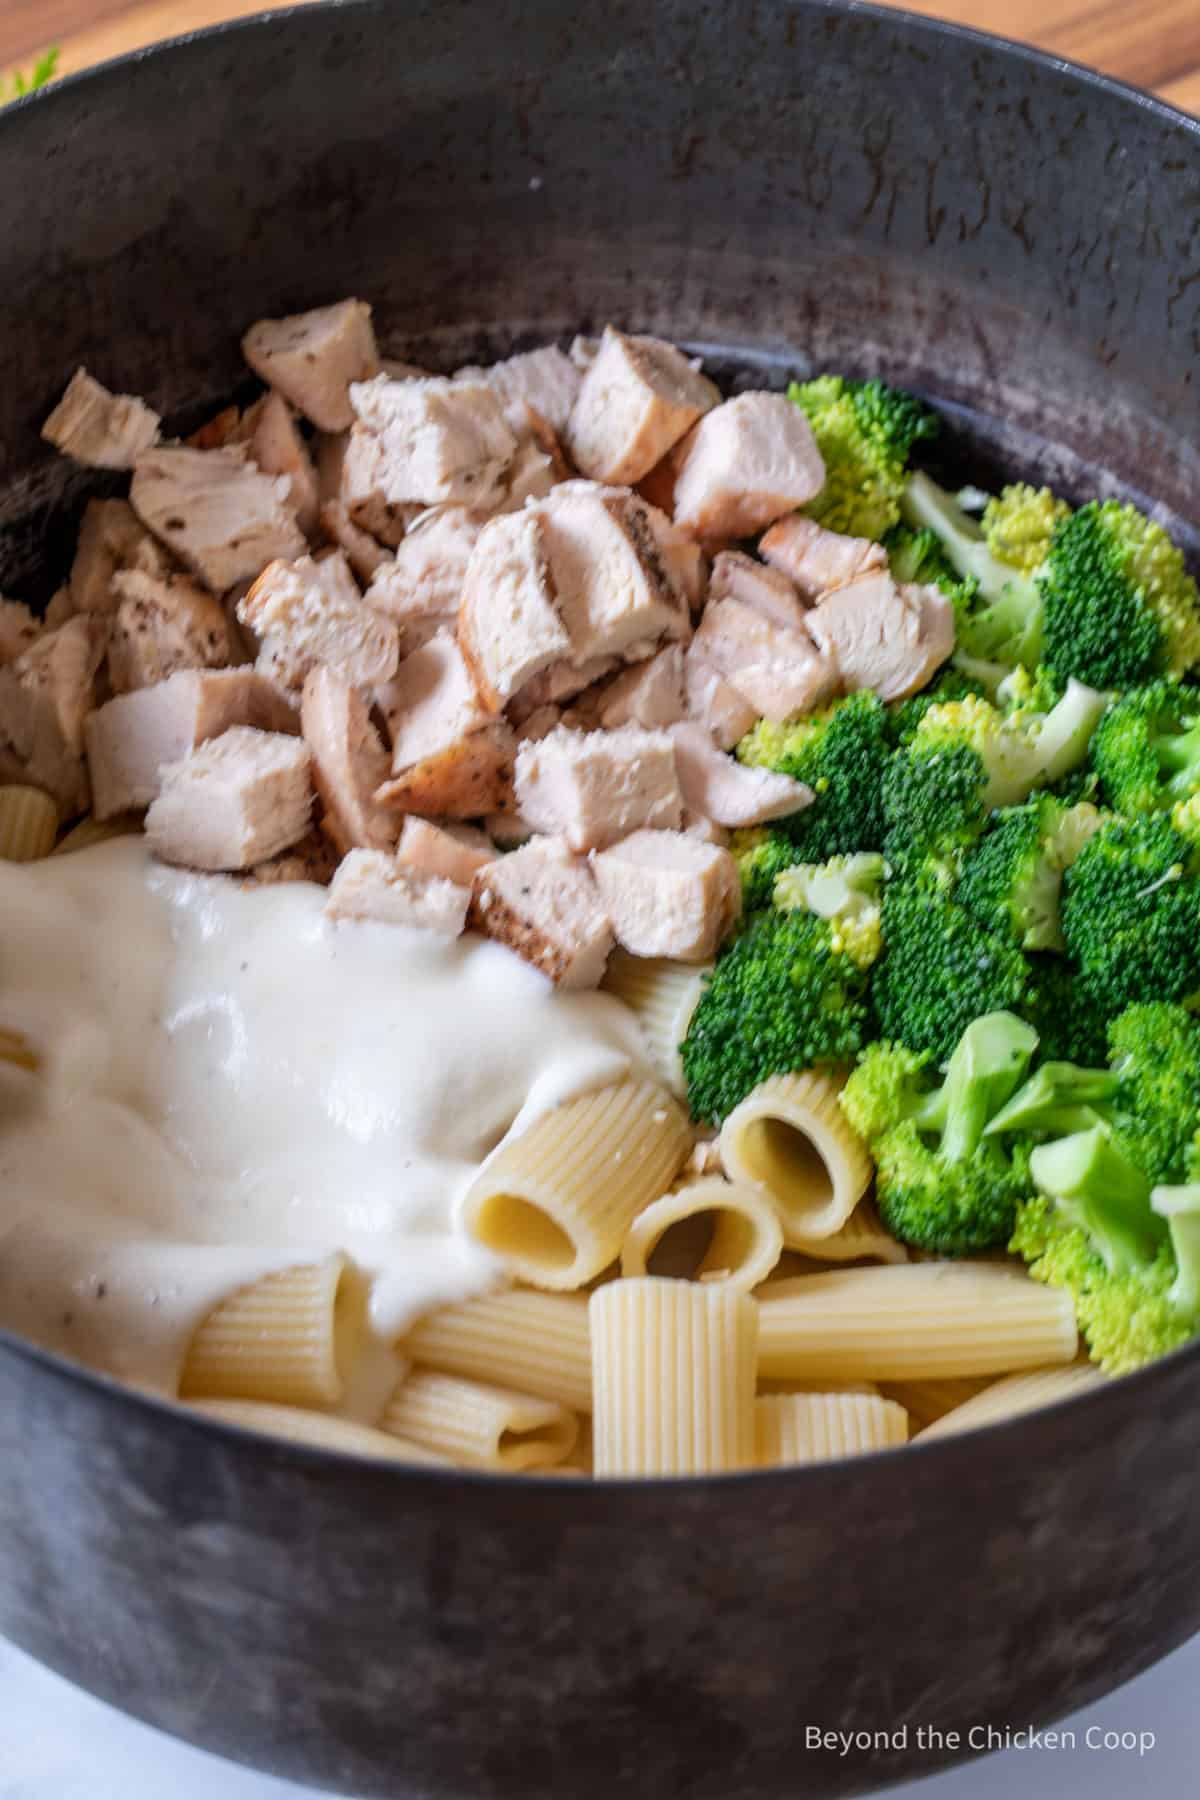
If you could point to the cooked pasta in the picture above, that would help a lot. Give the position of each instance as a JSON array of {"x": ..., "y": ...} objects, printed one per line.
[
  {"x": 663, "y": 995},
  {"x": 28, "y": 824},
  {"x": 286, "y": 1339},
  {"x": 15, "y": 1048},
  {"x": 737, "y": 1242},
  {"x": 555, "y": 1203},
  {"x": 480, "y": 1426},
  {"x": 861, "y": 1239},
  {"x": 322, "y": 1431},
  {"x": 1015, "y": 1395},
  {"x": 810, "y": 1428},
  {"x": 789, "y": 1136},
  {"x": 767, "y": 1384},
  {"x": 534, "y": 1342},
  {"x": 927, "y": 1400},
  {"x": 673, "y": 1366},
  {"x": 917, "y": 1320},
  {"x": 91, "y": 830}
]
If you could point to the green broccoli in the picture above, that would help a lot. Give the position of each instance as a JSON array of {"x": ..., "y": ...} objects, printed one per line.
[
  {"x": 1013, "y": 877},
  {"x": 1026, "y": 693},
  {"x": 1180, "y": 1207},
  {"x": 43, "y": 71},
  {"x": 781, "y": 998},
  {"x": 1131, "y": 913},
  {"x": 762, "y": 853},
  {"x": 939, "y": 1185},
  {"x": 1019, "y": 522},
  {"x": 841, "y": 752},
  {"x": 1146, "y": 750},
  {"x": 845, "y": 890},
  {"x": 865, "y": 432},
  {"x": 1070, "y": 1023},
  {"x": 999, "y": 615},
  {"x": 940, "y": 968},
  {"x": 950, "y": 683}
]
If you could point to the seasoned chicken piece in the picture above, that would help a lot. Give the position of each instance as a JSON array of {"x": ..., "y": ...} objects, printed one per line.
[
  {"x": 541, "y": 723},
  {"x": 313, "y": 859},
  {"x": 131, "y": 738},
  {"x": 59, "y": 608},
  {"x": 223, "y": 428},
  {"x": 816, "y": 559},
  {"x": 18, "y": 629},
  {"x": 546, "y": 380},
  {"x": 637, "y": 398},
  {"x": 308, "y": 612},
  {"x": 219, "y": 514},
  {"x": 450, "y": 756},
  {"x": 468, "y": 779},
  {"x": 744, "y": 465},
  {"x": 111, "y": 537},
  {"x": 420, "y": 588},
  {"x": 707, "y": 831},
  {"x": 370, "y": 885},
  {"x": 364, "y": 553},
  {"x": 613, "y": 591},
  {"x": 238, "y": 800},
  {"x": 163, "y": 623},
  {"x": 884, "y": 637},
  {"x": 593, "y": 787},
  {"x": 713, "y": 702},
  {"x": 349, "y": 763},
  {"x": 45, "y": 696},
  {"x": 684, "y": 562},
  {"x": 531, "y": 475},
  {"x": 649, "y": 694},
  {"x": 102, "y": 430},
  {"x": 313, "y": 357},
  {"x": 721, "y": 789},
  {"x": 454, "y": 852},
  {"x": 555, "y": 686},
  {"x": 508, "y": 830},
  {"x": 278, "y": 449},
  {"x": 329, "y": 451},
  {"x": 668, "y": 895},
  {"x": 509, "y": 628},
  {"x": 743, "y": 578},
  {"x": 425, "y": 442},
  {"x": 780, "y": 672},
  {"x": 542, "y": 902}
]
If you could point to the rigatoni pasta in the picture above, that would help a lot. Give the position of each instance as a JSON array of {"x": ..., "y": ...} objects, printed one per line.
[
  {"x": 810, "y": 1428},
  {"x": 91, "y": 830},
  {"x": 28, "y": 824},
  {"x": 790, "y": 1137},
  {"x": 734, "y": 1235},
  {"x": 1014, "y": 1395},
  {"x": 287, "y": 1338},
  {"x": 929, "y": 1398},
  {"x": 480, "y": 1426},
  {"x": 861, "y": 1239},
  {"x": 320, "y": 1431},
  {"x": 662, "y": 995},
  {"x": 535, "y": 1342}
]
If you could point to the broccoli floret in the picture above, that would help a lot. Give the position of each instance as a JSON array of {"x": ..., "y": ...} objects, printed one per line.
[
  {"x": 762, "y": 853},
  {"x": 1146, "y": 750},
  {"x": 1070, "y": 1023},
  {"x": 1019, "y": 522},
  {"x": 999, "y": 618},
  {"x": 1185, "y": 817},
  {"x": 841, "y": 752},
  {"x": 1120, "y": 606},
  {"x": 1155, "y": 1055},
  {"x": 950, "y": 684},
  {"x": 1131, "y": 913},
  {"x": 940, "y": 968},
  {"x": 845, "y": 890},
  {"x": 1057, "y": 1101},
  {"x": 780, "y": 999},
  {"x": 1013, "y": 877},
  {"x": 1026, "y": 693},
  {"x": 865, "y": 432},
  {"x": 939, "y": 1184}
]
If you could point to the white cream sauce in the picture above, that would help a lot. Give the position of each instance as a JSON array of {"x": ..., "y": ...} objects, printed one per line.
[{"x": 231, "y": 1083}]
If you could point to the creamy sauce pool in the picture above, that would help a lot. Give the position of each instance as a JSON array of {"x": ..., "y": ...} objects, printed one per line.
[{"x": 233, "y": 1084}]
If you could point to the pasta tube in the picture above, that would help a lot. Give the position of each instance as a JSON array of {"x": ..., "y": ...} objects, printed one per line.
[
  {"x": 322, "y": 1431},
  {"x": 556, "y": 1202},
  {"x": 790, "y": 1137},
  {"x": 480, "y": 1426},
  {"x": 916, "y": 1320},
  {"x": 663, "y": 995},
  {"x": 739, "y": 1240},
  {"x": 91, "y": 830},
  {"x": 861, "y": 1239},
  {"x": 1015, "y": 1395},
  {"x": 537, "y": 1343},
  {"x": 927, "y": 1400},
  {"x": 28, "y": 824},
  {"x": 673, "y": 1366},
  {"x": 811, "y": 1428},
  {"x": 287, "y": 1339}
]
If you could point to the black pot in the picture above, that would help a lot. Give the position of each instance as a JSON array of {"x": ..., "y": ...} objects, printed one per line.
[{"x": 784, "y": 185}]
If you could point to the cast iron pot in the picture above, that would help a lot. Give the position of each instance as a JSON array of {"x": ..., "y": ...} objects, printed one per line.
[{"x": 785, "y": 186}]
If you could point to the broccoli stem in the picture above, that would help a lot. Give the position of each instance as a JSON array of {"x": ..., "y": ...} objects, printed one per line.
[
  {"x": 1059, "y": 1099},
  {"x": 1065, "y": 733},
  {"x": 986, "y": 1067},
  {"x": 1178, "y": 756},
  {"x": 1104, "y": 1193},
  {"x": 1180, "y": 1207}
]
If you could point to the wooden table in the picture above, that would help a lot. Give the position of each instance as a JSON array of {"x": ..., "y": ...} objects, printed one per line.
[{"x": 1154, "y": 43}]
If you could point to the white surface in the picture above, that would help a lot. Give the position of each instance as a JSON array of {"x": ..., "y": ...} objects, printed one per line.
[{"x": 58, "y": 1744}]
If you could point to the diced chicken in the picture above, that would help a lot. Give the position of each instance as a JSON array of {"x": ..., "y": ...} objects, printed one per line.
[
  {"x": 637, "y": 398},
  {"x": 591, "y": 788},
  {"x": 736, "y": 576},
  {"x": 329, "y": 449},
  {"x": 707, "y": 831},
  {"x": 313, "y": 858},
  {"x": 649, "y": 694},
  {"x": 668, "y": 895},
  {"x": 111, "y": 537},
  {"x": 306, "y": 613},
  {"x": 684, "y": 562},
  {"x": 219, "y": 514},
  {"x": 103, "y": 430},
  {"x": 541, "y": 723},
  {"x": 508, "y": 830},
  {"x": 542, "y": 902},
  {"x": 59, "y": 608},
  {"x": 46, "y": 695},
  {"x": 509, "y": 628},
  {"x": 163, "y": 623},
  {"x": 545, "y": 379},
  {"x": 613, "y": 591},
  {"x": 728, "y": 793},
  {"x": 713, "y": 702},
  {"x": 349, "y": 762},
  {"x": 18, "y": 629},
  {"x": 558, "y": 684},
  {"x": 744, "y": 465},
  {"x": 425, "y": 442},
  {"x": 780, "y": 672},
  {"x": 453, "y": 852},
  {"x": 278, "y": 449},
  {"x": 370, "y": 885},
  {"x": 469, "y": 778},
  {"x": 131, "y": 738},
  {"x": 396, "y": 369},
  {"x": 236, "y": 801},
  {"x": 816, "y": 559},
  {"x": 431, "y": 703},
  {"x": 223, "y": 428},
  {"x": 532, "y": 474},
  {"x": 886, "y": 638},
  {"x": 583, "y": 352},
  {"x": 313, "y": 357},
  {"x": 420, "y": 588},
  {"x": 364, "y": 553}
]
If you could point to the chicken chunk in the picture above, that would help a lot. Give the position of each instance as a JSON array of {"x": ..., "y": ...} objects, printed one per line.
[
  {"x": 816, "y": 559},
  {"x": 713, "y": 702},
  {"x": 370, "y": 885},
  {"x": 450, "y": 756},
  {"x": 349, "y": 763},
  {"x": 313, "y": 858},
  {"x": 364, "y": 553},
  {"x": 736, "y": 576},
  {"x": 649, "y": 694},
  {"x": 542, "y": 902},
  {"x": 637, "y": 398},
  {"x": 46, "y": 695},
  {"x": 426, "y": 442},
  {"x": 613, "y": 591},
  {"x": 215, "y": 511},
  {"x": 546, "y": 380},
  {"x": 668, "y": 894},
  {"x": 532, "y": 474},
  {"x": 102, "y": 430},
  {"x": 718, "y": 788},
  {"x": 163, "y": 623},
  {"x": 111, "y": 537},
  {"x": 591, "y": 788},
  {"x": 278, "y": 449},
  {"x": 541, "y": 723},
  {"x": 421, "y": 586},
  {"x": 18, "y": 629},
  {"x": 744, "y": 465},
  {"x": 509, "y": 628},
  {"x": 469, "y": 778},
  {"x": 308, "y": 612},
  {"x": 780, "y": 672},
  {"x": 238, "y": 800},
  {"x": 555, "y": 686},
  {"x": 453, "y": 852},
  {"x": 313, "y": 357},
  {"x": 886, "y": 638}
]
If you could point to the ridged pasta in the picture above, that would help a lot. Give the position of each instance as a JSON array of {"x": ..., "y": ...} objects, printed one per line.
[
  {"x": 861, "y": 1239},
  {"x": 480, "y": 1426},
  {"x": 534, "y": 1342},
  {"x": 767, "y": 1384},
  {"x": 663, "y": 995},
  {"x": 1017, "y": 1394},
  {"x": 91, "y": 830},
  {"x": 738, "y": 1242},
  {"x": 28, "y": 824},
  {"x": 916, "y": 1320},
  {"x": 556, "y": 1202},
  {"x": 16, "y": 1048},
  {"x": 323, "y": 1431},
  {"x": 927, "y": 1400},
  {"x": 673, "y": 1367},
  {"x": 811, "y": 1428},
  {"x": 283, "y": 1339},
  {"x": 790, "y": 1137}
]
